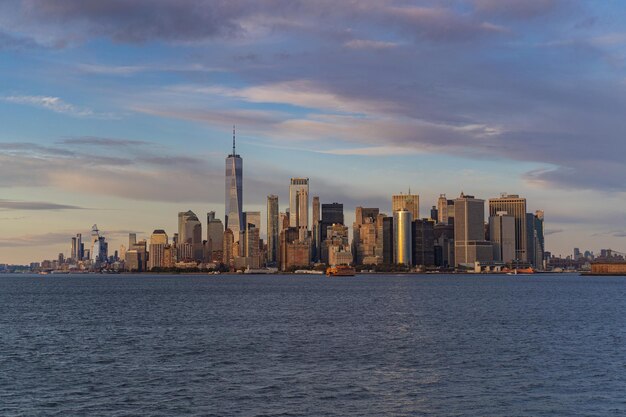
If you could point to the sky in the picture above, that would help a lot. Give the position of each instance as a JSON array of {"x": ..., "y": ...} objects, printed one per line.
[{"x": 120, "y": 113}]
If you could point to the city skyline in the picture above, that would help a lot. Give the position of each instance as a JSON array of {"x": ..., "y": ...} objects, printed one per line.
[{"x": 122, "y": 119}]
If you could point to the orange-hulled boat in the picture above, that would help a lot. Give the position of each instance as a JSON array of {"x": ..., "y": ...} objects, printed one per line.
[{"x": 340, "y": 271}]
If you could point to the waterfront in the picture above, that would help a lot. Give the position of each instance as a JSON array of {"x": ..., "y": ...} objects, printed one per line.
[{"x": 445, "y": 345}]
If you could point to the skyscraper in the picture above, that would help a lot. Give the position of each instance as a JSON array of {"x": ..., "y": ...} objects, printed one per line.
[
  {"x": 410, "y": 202},
  {"x": 365, "y": 236},
  {"x": 515, "y": 206},
  {"x": 540, "y": 247},
  {"x": 214, "y": 237},
  {"x": 299, "y": 203},
  {"x": 316, "y": 210},
  {"x": 315, "y": 229},
  {"x": 402, "y": 237},
  {"x": 445, "y": 210},
  {"x": 158, "y": 242},
  {"x": 502, "y": 235},
  {"x": 99, "y": 247},
  {"x": 233, "y": 218},
  {"x": 423, "y": 239},
  {"x": 273, "y": 228},
  {"x": 190, "y": 233},
  {"x": 469, "y": 231}
]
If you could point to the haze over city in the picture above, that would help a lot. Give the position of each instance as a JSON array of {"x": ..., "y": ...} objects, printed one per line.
[{"x": 120, "y": 113}]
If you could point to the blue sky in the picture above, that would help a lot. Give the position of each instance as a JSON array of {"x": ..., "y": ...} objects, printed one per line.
[{"x": 119, "y": 113}]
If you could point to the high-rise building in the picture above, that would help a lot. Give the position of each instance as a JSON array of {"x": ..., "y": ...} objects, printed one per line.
[
  {"x": 158, "y": 242},
  {"x": 288, "y": 236},
  {"x": 99, "y": 246},
  {"x": 444, "y": 245},
  {"x": 316, "y": 210},
  {"x": 423, "y": 239},
  {"x": 337, "y": 238},
  {"x": 502, "y": 235},
  {"x": 445, "y": 210},
  {"x": 332, "y": 213},
  {"x": 540, "y": 246},
  {"x": 233, "y": 219},
  {"x": 434, "y": 214},
  {"x": 364, "y": 236},
  {"x": 515, "y": 206},
  {"x": 388, "y": 240},
  {"x": 299, "y": 203},
  {"x": 402, "y": 253},
  {"x": 190, "y": 232},
  {"x": 273, "y": 228},
  {"x": 228, "y": 242},
  {"x": 469, "y": 231},
  {"x": 214, "y": 237},
  {"x": 410, "y": 202},
  {"x": 315, "y": 229},
  {"x": 252, "y": 217},
  {"x": 132, "y": 240},
  {"x": 531, "y": 238}
]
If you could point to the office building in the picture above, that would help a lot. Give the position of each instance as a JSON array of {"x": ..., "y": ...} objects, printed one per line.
[
  {"x": 215, "y": 238},
  {"x": 434, "y": 214},
  {"x": 299, "y": 203},
  {"x": 158, "y": 242},
  {"x": 99, "y": 246},
  {"x": 502, "y": 236},
  {"x": 233, "y": 218},
  {"x": 387, "y": 240},
  {"x": 227, "y": 250},
  {"x": 444, "y": 245},
  {"x": 423, "y": 242},
  {"x": 445, "y": 210},
  {"x": 190, "y": 233},
  {"x": 402, "y": 253},
  {"x": 315, "y": 229},
  {"x": 410, "y": 202},
  {"x": 469, "y": 232},
  {"x": 364, "y": 236},
  {"x": 515, "y": 206},
  {"x": 273, "y": 228}
]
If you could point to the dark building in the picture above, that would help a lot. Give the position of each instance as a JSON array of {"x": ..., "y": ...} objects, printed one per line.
[
  {"x": 444, "y": 244},
  {"x": 530, "y": 238},
  {"x": 388, "y": 240},
  {"x": 434, "y": 213},
  {"x": 423, "y": 245},
  {"x": 331, "y": 214}
]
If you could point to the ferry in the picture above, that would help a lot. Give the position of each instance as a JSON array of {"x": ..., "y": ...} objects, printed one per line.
[
  {"x": 522, "y": 271},
  {"x": 308, "y": 272},
  {"x": 340, "y": 271}
]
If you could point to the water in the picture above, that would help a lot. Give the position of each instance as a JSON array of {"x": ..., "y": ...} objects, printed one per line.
[{"x": 546, "y": 345}]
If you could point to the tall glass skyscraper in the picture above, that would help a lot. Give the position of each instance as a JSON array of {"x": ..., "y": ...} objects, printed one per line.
[{"x": 234, "y": 193}]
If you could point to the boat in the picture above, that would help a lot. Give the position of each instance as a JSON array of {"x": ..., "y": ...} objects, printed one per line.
[
  {"x": 340, "y": 271},
  {"x": 260, "y": 271},
  {"x": 308, "y": 272}
]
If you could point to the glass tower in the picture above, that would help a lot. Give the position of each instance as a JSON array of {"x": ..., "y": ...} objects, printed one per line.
[{"x": 234, "y": 193}]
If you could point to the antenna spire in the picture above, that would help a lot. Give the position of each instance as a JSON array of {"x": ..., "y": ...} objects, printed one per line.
[{"x": 234, "y": 140}]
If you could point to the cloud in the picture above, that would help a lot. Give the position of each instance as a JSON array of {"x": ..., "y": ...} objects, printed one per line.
[
  {"x": 549, "y": 232},
  {"x": 517, "y": 9},
  {"x": 104, "y": 142},
  {"x": 56, "y": 105},
  {"x": 10, "y": 42},
  {"x": 33, "y": 240},
  {"x": 369, "y": 44},
  {"x": 35, "y": 205}
]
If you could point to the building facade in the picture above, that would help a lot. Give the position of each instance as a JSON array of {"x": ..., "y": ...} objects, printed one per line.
[{"x": 233, "y": 212}]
